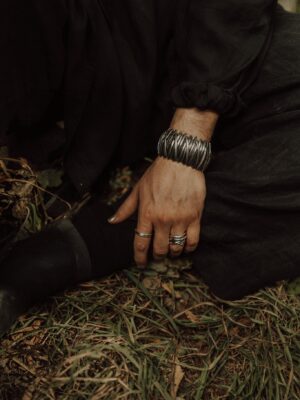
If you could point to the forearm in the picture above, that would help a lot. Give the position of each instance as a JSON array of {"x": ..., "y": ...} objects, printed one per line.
[{"x": 195, "y": 122}]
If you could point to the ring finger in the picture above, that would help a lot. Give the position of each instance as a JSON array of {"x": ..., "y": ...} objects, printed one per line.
[{"x": 177, "y": 249}]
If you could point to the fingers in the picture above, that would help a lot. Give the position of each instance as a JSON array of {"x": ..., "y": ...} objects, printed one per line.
[
  {"x": 193, "y": 236},
  {"x": 177, "y": 230},
  {"x": 142, "y": 244},
  {"x": 127, "y": 208},
  {"x": 161, "y": 241}
]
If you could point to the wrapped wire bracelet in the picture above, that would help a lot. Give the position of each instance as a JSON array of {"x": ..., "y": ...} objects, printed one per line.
[{"x": 184, "y": 148}]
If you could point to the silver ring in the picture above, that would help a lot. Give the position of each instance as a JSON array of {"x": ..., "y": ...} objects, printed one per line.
[
  {"x": 178, "y": 240},
  {"x": 143, "y": 234}
]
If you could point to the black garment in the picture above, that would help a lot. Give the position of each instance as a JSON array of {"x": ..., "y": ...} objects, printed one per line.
[
  {"x": 40, "y": 266},
  {"x": 250, "y": 234},
  {"x": 250, "y": 228},
  {"x": 118, "y": 67}
]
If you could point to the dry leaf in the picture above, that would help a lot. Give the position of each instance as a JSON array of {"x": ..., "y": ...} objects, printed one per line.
[
  {"x": 20, "y": 209},
  {"x": 28, "y": 394},
  {"x": 169, "y": 287},
  {"x": 151, "y": 283},
  {"x": 178, "y": 376},
  {"x": 158, "y": 267},
  {"x": 191, "y": 316},
  {"x": 172, "y": 273}
]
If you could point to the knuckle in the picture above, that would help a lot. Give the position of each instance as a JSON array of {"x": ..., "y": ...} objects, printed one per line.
[
  {"x": 144, "y": 226},
  {"x": 147, "y": 213},
  {"x": 191, "y": 218},
  {"x": 160, "y": 249},
  {"x": 140, "y": 259},
  {"x": 164, "y": 218},
  {"x": 141, "y": 247},
  {"x": 195, "y": 218}
]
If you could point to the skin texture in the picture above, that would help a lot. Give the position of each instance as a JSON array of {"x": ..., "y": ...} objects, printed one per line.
[{"x": 170, "y": 196}]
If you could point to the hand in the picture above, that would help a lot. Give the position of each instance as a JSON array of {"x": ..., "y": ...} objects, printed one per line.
[
  {"x": 170, "y": 199},
  {"x": 170, "y": 196}
]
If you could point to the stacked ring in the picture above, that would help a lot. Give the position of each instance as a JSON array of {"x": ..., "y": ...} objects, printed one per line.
[{"x": 178, "y": 240}]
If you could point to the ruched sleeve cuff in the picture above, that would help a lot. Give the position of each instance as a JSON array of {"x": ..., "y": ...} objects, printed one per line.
[
  {"x": 207, "y": 96},
  {"x": 220, "y": 47}
]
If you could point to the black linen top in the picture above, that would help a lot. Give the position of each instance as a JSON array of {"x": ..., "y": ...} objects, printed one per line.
[{"x": 120, "y": 67}]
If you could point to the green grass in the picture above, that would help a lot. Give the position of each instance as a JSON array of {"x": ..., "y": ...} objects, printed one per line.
[{"x": 154, "y": 336}]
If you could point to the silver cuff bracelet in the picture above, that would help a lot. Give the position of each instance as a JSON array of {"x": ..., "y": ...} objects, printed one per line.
[{"x": 186, "y": 149}]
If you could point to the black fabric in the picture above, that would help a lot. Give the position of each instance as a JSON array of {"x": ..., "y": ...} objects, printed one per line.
[
  {"x": 39, "y": 267},
  {"x": 250, "y": 233},
  {"x": 110, "y": 246},
  {"x": 220, "y": 46},
  {"x": 111, "y": 64},
  {"x": 118, "y": 68},
  {"x": 45, "y": 263}
]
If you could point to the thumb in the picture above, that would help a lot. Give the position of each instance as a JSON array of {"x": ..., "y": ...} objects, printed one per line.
[{"x": 127, "y": 208}]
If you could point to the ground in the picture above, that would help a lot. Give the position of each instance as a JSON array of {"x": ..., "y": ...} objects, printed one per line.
[{"x": 149, "y": 335}]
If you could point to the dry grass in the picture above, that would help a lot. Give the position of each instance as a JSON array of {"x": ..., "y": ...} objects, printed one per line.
[{"x": 117, "y": 339}]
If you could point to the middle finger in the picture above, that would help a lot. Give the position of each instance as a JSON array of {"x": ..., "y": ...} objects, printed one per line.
[
  {"x": 161, "y": 241},
  {"x": 142, "y": 244}
]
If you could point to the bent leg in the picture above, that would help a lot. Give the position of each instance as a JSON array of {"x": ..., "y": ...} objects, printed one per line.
[
  {"x": 250, "y": 227},
  {"x": 250, "y": 234},
  {"x": 110, "y": 246}
]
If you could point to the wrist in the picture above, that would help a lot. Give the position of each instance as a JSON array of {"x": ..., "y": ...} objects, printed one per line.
[{"x": 195, "y": 122}]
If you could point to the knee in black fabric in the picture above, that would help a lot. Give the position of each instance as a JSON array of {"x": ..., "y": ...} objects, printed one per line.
[
  {"x": 212, "y": 265},
  {"x": 232, "y": 271},
  {"x": 46, "y": 263},
  {"x": 110, "y": 246}
]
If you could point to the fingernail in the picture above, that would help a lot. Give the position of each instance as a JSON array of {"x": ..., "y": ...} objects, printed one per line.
[{"x": 112, "y": 219}]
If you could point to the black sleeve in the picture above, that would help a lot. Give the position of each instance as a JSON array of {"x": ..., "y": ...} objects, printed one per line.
[{"x": 220, "y": 46}]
